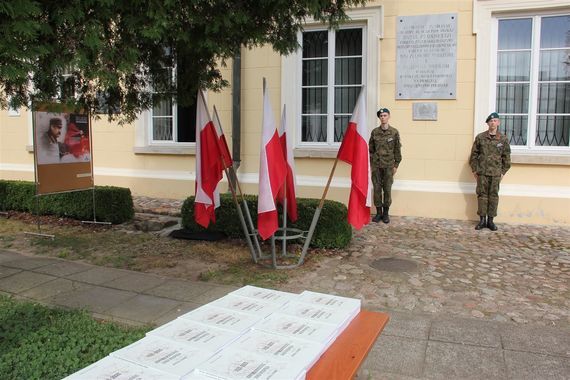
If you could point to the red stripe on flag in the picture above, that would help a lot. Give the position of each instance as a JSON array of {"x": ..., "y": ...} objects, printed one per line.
[{"x": 354, "y": 151}]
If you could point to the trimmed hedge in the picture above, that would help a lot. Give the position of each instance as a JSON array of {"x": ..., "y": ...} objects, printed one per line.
[
  {"x": 112, "y": 204},
  {"x": 332, "y": 231}
]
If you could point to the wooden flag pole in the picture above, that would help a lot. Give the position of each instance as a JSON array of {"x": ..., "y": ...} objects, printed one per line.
[{"x": 317, "y": 215}]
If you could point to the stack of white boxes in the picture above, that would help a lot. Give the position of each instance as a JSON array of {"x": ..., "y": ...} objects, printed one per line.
[{"x": 252, "y": 333}]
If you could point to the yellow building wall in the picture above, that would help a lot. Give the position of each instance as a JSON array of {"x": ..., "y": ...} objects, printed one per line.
[{"x": 434, "y": 179}]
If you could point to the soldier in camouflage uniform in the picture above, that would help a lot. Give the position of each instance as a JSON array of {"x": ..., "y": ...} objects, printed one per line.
[
  {"x": 385, "y": 156},
  {"x": 490, "y": 160}
]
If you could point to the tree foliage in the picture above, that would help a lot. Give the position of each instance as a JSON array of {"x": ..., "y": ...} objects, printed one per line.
[{"x": 113, "y": 55}]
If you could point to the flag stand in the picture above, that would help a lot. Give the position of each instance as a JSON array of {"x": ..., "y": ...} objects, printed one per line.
[{"x": 298, "y": 234}]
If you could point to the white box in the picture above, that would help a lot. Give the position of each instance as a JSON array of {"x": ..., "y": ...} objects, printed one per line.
[
  {"x": 295, "y": 327},
  {"x": 222, "y": 318},
  {"x": 163, "y": 355},
  {"x": 237, "y": 364},
  {"x": 195, "y": 334},
  {"x": 265, "y": 295},
  {"x": 245, "y": 305},
  {"x": 118, "y": 369}
]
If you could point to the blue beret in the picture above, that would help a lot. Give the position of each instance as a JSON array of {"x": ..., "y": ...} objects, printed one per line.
[
  {"x": 494, "y": 115},
  {"x": 382, "y": 110}
]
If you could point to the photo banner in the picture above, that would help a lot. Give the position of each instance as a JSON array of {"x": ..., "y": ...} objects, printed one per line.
[{"x": 62, "y": 149}]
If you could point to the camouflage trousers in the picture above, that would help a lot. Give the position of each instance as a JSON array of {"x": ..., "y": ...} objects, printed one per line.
[
  {"x": 487, "y": 195},
  {"x": 382, "y": 180}
]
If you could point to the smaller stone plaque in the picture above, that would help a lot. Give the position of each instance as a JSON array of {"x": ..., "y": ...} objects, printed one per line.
[{"x": 424, "y": 111}]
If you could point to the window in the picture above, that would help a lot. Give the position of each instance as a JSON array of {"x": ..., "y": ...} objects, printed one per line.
[
  {"x": 332, "y": 77},
  {"x": 533, "y": 80},
  {"x": 172, "y": 123}
]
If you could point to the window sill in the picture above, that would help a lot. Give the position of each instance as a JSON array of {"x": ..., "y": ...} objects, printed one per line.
[
  {"x": 171, "y": 150},
  {"x": 540, "y": 158},
  {"x": 328, "y": 152}
]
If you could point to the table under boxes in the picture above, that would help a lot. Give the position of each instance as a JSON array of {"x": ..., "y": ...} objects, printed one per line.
[{"x": 251, "y": 333}]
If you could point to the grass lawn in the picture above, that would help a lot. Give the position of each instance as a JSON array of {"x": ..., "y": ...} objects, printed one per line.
[{"x": 37, "y": 342}]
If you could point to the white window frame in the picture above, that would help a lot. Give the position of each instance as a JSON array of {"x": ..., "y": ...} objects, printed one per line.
[
  {"x": 145, "y": 143},
  {"x": 486, "y": 14},
  {"x": 331, "y": 85},
  {"x": 533, "y": 80},
  {"x": 370, "y": 19}
]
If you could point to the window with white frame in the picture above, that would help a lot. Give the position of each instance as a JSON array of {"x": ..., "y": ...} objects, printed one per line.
[
  {"x": 172, "y": 123},
  {"x": 533, "y": 80},
  {"x": 332, "y": 77}
]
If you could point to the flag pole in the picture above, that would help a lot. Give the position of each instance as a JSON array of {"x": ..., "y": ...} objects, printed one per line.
[
  {"x": 231, "y": 175},
  {"x": 317, "y": 215}
]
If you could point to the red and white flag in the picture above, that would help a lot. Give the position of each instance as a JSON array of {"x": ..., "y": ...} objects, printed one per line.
[
  {"x": 224, "y": 150},
  {"x": 354, "y": 151},
  {"x": 272, "y": 171},
  {"x": 208, "y": 166},
  {"x": 290, "y": 182}
]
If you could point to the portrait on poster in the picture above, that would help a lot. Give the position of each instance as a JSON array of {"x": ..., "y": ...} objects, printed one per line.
[{"x": 62, "y": 138}]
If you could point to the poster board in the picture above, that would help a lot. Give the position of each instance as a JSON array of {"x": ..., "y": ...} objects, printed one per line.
[{"x": 62, "y": 149}]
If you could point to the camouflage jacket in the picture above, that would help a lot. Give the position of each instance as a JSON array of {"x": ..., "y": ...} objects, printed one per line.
[
  {"x": 385, "y": 148},
  {"x": 490, "y": 156}
]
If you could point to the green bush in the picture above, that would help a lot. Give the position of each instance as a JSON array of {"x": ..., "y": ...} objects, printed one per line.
[
  {"x": 332, "y": 231},
  {"x": 112, "y": 204}
]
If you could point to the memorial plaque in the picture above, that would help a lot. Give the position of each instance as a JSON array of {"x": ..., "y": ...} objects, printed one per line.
[
  {"x": 426, "y": 57},
  {"x": 424, "y": 111}
]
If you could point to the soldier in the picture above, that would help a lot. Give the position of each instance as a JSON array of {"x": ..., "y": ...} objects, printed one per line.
[
  {"x": 385, "y": 156},
  {"x": 490, "y": 160}
]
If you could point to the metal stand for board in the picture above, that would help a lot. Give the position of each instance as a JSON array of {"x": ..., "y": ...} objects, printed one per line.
[
  {"x": 39, "y": 233},
  {"x": 94, "y": 221}
]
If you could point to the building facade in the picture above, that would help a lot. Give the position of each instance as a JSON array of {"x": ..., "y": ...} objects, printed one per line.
[{"x": 510, "y": 57}]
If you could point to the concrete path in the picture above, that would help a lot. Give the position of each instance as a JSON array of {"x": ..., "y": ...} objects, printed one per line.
[{"x": 413, "y": 345}]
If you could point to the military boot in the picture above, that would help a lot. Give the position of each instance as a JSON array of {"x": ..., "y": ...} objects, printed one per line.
[
  {"x": 378, "y": 216},
  {"x": 491, "y": 225},
  {"x": 482, "y": 223},
  {"x": 385, "y": 215}
]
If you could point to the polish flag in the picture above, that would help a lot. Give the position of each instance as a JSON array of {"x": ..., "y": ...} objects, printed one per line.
[
  {"x": 354, "y": 151},
  {"x": 224, "y": 150},
  {"x": 208, "y": 166},
  {"x": 290, "y": 180},
  {"x": 272, "y": 171}
]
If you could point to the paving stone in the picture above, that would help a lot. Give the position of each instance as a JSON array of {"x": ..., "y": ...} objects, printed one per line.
[
  {"x": 535, "y": 339},
  {"x": 5, "y": 271},
  {"x": 457, "y": 361},
  {"x": 143, "y": 308},
  {"x": 466, "y": 331},
  {"x": 98, "y": 275},
  {"x": 96, "y": 299},
  {"x": 180, "y": 290},
  {"x": 402, "y": 356},
  {"x": 214, "y": 293},
  {"x": 181, "y": 309},
  {"x": 530, "y": 366},
  {"x": 53, "y": 288},
  {"x": 63, "y": 268},
  {"x": 22, "y": 281},
  {"x": 8, "y": 256},
  {"x": 29, "y": 263},
  {"x": 407, "y": 325},
  {"x": 136, "y": 282}
]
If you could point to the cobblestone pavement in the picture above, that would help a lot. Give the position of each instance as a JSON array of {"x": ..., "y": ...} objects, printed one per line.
[{"x": 520, "y": 273}]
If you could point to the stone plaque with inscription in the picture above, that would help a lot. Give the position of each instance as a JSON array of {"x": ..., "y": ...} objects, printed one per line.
[
  {"x": 424, "y": 111},
  {"x": 426, "y": 57}
]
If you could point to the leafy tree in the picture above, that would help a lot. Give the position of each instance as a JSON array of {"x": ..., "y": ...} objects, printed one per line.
[{"x": 114, "y": 55}]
